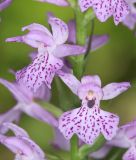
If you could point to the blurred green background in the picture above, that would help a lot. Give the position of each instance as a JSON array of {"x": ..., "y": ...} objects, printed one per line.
[{"x": 114, "y": 62}]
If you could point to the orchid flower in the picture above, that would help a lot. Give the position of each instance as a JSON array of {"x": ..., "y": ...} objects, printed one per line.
[
  {"x": 4, "y": 4},
  {"x": 21, "y": 144},
  {"x": 97, "y": 42},
  {"x": 89, "y": 120},
  {"x": 58, "y": 2},
  {"x": 130, "y": 20},
  {"x": 24, "y": 104},
  {"x": 51, "y": 50},
  {"x": 126, "y": 138},
  {"x": 105, "y": 9}
]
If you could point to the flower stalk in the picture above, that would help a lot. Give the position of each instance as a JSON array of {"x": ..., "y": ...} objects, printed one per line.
[
  {"x": 74, "y": 148},
  {"x": 87, "y": 149},
  {"x": 82, "y": 21}
]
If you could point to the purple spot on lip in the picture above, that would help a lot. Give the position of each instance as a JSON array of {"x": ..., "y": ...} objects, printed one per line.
[{"x": 91, "y": 103}]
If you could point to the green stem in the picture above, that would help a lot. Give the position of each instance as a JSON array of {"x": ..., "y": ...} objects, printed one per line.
[
  {"x": 82, "y": 20},
  {"x": 115, "y": 154},
  {"x": 87, "y": 149},
  {"x": 78, "y": 66},
  {"x": 80, "y": 27},
  {"x": 81, "y": 39},
  {"x": 89, "y": 15},
  {"x": 74, "y": 148}
]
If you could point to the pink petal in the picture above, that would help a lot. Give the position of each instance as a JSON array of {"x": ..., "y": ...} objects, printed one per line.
[
  {"x": 83, "y": 91},
  {"x": 60, "y": 142},
  {"x": 17, "y": 130},
  {"x": 131, "y": 4},
  {"x": 15, "y": 39},
  {"x": 59, "y": 30},
  {"x": 129, "y": 130},
  {"x": 18, "y": 91},
  {"x": 72, "y": 32},
  {"x": 37, "y": 27},
  {"x": 109, "y": 124},
  {"x": 88, "y": 123},
  {"x": 36, "y": 38},
  {"x": 81, "y": 122},
  {"x": 99, "y": 41},
  {"x": 120, "y": 10},
  {"x": 84, "y": 5},
  {"x": 114, "y": 89},
  {"x": 23, "y": 147},
  {"x": 91, "y": 79},
  {"x": 36, "y": 111},
  {"x": 41, "y": 71},
  {"x": 130, "y": 154},
  {"x": 21, "y": 144},
  {"x": 101, "y": 153},
  {"x": 56, "y": 2},
  {"x": 43, "y": 93},
  {"x": 103, "y": 9},
  {"x": 70, "y": 81},
  {"x": 35, "y": 148},
  {"x": 67, "y": 50},
  {"x": 120, "y": 140},
  {"x": 4, "y": 4},
  {"x": 67, "y": 68},
  {"x": 15, "y": 144},
  {"x": 130, "y": 21},
  {"x": 13, "y": 115},
  {"x": 125, "y": 136}
]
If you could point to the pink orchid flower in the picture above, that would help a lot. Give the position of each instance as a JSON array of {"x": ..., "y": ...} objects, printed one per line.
[{"x": 89, "y": 121}]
